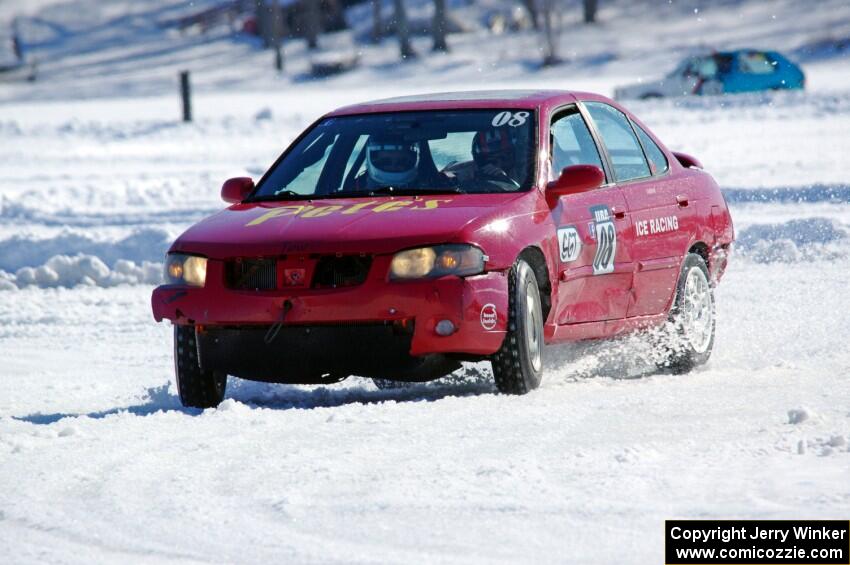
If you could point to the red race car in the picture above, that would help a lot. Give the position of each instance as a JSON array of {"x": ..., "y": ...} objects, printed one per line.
[{"x": 395, "y": 239}]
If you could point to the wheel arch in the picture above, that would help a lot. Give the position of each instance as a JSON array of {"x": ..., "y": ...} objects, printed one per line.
[
  {"x": 534, "y": 256},
  {"x": 701, "y": 249}
]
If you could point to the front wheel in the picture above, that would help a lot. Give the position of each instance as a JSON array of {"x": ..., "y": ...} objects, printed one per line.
[
  {"x": 518, "y": 365},
  {"x": 198, "y": 388},
  {"x": 692, "y": 319}
]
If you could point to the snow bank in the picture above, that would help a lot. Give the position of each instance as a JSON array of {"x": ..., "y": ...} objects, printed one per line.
[
  {"x": 799, "y": 415},
  {"x": 145, "y": 244},
  {"x": 817, "y": 192},
  {"x": 795, "y": 240},
  {"x": 70, "y": 271},
  {"x": 70, "y": 259}
]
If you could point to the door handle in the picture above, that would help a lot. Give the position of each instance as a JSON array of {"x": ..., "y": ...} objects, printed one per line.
[
  {"x": 682, "y": 200},
  {"x": 619, "y": 213}
]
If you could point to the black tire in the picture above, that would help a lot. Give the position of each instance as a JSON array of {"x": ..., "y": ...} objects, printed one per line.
[
  {"x": 680, "y": 353},
  {"x": 197, "y": 388},
  {"x": 517, "y": 368}
]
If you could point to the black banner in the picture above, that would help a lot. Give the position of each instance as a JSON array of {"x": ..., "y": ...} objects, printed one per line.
[{"x": 761, "y": 542}]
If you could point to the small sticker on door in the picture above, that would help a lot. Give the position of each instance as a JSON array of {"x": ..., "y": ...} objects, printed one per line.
[
  {"x": 569, "y": 243},
  {"x": 489, "y": 317}
]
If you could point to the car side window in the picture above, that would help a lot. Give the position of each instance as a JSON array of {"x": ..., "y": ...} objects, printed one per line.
[
  {"x": 572, "y": 143},
  {"x": 756, "y": 63},
  {"x": 624, "y": 149},
  {"x": 657, "y": 160},
  {"x": 706, "y": 67}
]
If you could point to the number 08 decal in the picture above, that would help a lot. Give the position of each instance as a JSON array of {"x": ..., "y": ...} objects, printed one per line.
[
  {"x": 606, "y": 240},
  {"x": 514, "y": 120}
]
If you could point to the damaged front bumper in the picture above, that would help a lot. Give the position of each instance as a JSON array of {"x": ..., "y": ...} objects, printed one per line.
[{"x": 476, "y": 306}]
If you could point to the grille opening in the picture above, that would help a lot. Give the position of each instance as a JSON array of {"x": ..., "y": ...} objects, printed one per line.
[
  {"x": 252, "y": 274},
  {"x": 334, "y": 272}
]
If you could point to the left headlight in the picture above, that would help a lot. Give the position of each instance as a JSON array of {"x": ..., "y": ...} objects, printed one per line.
[
  {"x": 437, "y": 261},
  {"x": 185, "y": 269}
]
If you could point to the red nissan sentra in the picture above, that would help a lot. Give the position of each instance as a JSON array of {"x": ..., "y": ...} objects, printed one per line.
[{"x": 395, "y": 239}]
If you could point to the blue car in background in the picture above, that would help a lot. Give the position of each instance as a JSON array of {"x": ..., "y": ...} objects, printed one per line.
[{"x": 722, "y": 72}]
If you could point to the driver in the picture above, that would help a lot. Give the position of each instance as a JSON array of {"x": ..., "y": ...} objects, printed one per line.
[
  {"x": 494, "y": 153},
  {"x": 390, "y": 161}
]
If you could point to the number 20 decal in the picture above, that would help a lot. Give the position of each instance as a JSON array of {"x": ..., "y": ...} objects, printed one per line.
[{"x": 506, "y": 118}]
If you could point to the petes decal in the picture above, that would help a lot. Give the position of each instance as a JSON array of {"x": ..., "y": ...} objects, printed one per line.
[
  {"x": 315, "y": 211},
  {"x": 606, "y": 240},
  {"x": 569, "y": 243}
]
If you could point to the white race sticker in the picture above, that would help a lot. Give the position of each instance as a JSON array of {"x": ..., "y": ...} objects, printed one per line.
[
  {"x": 489, "y": 317},
  {"x": 606, "y": 240},
  {"x": 569, "y": 243},
  {"x": 657, "y": 225},
  {"x": 514, "y": 120}
]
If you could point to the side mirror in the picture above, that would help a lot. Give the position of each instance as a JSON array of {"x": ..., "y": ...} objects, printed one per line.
[
  {"x": 237, "y": 189},
  {"x": 573, "y": 180}
]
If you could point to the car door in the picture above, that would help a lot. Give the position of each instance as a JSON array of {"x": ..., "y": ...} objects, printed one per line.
[
  {"x": 661, "y": 210},
  {"x": 595, "y": 268}
]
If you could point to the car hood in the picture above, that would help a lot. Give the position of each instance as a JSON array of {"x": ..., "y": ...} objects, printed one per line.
[{"x": 369, "y": 225}]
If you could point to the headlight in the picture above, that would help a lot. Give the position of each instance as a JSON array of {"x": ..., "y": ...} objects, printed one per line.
[
  {"x": 185, "y": 269},
  {"x": 437, "y": 261}
]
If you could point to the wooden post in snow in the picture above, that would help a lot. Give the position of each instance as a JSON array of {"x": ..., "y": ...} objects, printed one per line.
[{"x": 186, "y": 95}]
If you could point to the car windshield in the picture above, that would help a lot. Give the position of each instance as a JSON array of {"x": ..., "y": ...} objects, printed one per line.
[{"x": 407, "y": 152}]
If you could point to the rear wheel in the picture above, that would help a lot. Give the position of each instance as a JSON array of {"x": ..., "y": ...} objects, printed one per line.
[
  {"x": 692, "y": 319},
  {"x": 197, "y": 388},
  {"x": 518, "y": 365}
]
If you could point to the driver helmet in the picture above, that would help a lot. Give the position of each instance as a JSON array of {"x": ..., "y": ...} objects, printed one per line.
[
  {"x": 496, "y": 146},
  {"x": 391, "y": 161}
]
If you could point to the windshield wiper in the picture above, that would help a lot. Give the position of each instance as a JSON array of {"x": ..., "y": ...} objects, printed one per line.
[
  {"x": 281, "y": 195},
  {"x": 414, "y": 191},
  {"x": 380, "y": 191}
]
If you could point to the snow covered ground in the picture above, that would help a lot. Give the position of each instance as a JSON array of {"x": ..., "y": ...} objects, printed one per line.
[{"x": 99, "y": 463}]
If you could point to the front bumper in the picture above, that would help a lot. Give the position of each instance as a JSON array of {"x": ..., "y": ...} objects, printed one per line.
[{"x": 467, "y": 302}]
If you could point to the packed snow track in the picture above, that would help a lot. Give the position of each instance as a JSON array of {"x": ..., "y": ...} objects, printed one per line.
[{"x": 100, "y": 463}]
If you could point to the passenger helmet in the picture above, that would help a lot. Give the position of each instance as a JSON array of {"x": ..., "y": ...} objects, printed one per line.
[
  {"x": 391, "y": 161},
  {"x": 495, "y": 146}
]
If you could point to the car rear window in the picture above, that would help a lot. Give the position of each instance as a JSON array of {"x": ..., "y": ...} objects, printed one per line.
[{"x": 620, "y": 140}]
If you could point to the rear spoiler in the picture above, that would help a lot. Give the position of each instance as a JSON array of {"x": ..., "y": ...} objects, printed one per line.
[{"x": 687, "y": 161}]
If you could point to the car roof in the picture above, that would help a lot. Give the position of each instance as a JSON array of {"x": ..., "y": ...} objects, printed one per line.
[
  {"x": 729, "y": 52},
  {"x": 528, "y": 99}
]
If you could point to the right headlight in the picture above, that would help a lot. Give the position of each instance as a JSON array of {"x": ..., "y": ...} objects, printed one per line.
[
  {"x": 185, "y": 269},
  {"x": 437, "y": 261}
]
